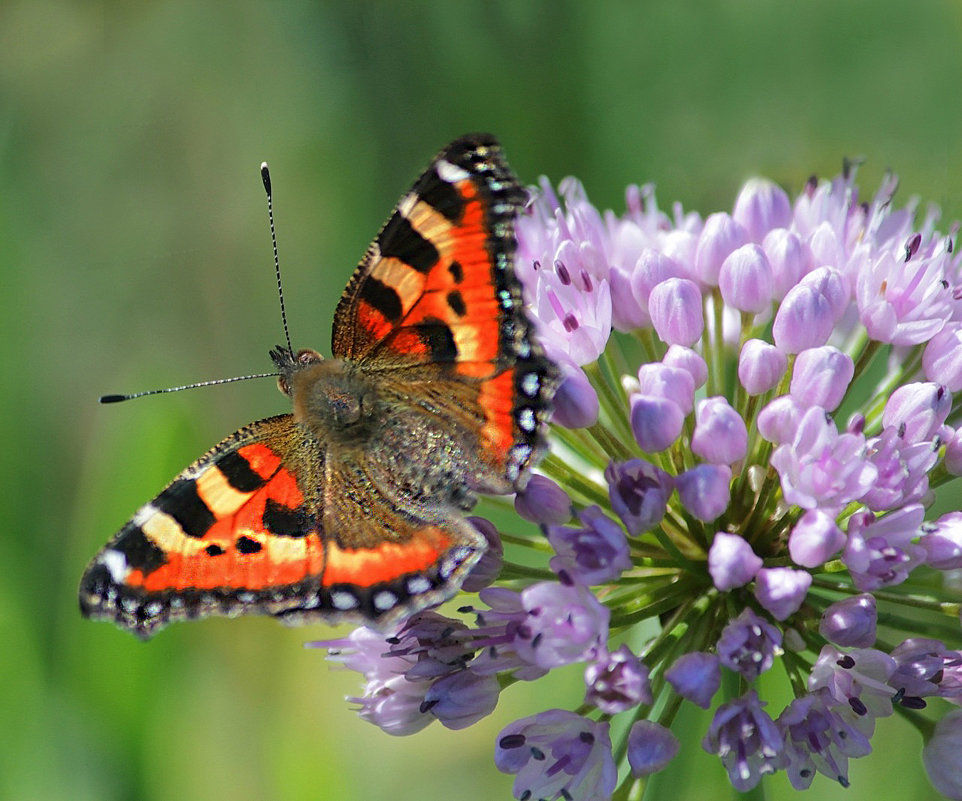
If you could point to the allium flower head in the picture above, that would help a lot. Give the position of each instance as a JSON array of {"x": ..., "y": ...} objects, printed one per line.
[{"x": 759, "y": 410}]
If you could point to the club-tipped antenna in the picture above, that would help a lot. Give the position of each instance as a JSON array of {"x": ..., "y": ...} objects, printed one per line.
[
  {"x": 266, "y": 178},
  {"x": 212, "y": 383},
  {"x": 117, "y": 398}
]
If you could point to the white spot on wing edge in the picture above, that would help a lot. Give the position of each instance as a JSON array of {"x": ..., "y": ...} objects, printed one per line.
[
  {"x": 143, "y": 514},
  {"x": 450, "y": 172},
  {"x": 343, "y": 600},
  {"x": 418, "y": 585},
  {"x": 116, "y": 564},
  {"x": 407, "y": 203},
  {"x": 384, "y": 600}
]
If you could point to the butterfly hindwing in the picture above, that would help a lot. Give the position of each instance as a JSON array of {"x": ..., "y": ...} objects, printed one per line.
[{"x": 264, "y": 524}]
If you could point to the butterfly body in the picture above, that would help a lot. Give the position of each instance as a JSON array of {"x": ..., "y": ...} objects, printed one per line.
[{"x": 351, "y": 507}]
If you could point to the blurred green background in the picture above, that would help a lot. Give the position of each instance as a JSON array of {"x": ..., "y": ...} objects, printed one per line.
[{"x": 135, "y": 254}]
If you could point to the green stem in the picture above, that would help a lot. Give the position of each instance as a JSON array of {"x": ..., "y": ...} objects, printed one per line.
[
  {"x": 511, "y": 570},
  {"x": 614, "y": 447},
  {"x": 537, "y": 544},
  {"x": 612, "y": 397},
  {"x": 865, "y": 358},
  {"x": 579, "y": 441},
  {"x": 574, "y": 482},
  {"x": 950, "y": 609}
]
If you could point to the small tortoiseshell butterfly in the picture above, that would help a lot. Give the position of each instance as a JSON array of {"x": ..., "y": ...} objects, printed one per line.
[{"x": 352, "y": 507}]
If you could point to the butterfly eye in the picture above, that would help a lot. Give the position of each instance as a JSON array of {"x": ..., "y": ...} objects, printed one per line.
[
  {"x": 307, "y": 356},
  {"x": 283, "y": 386}
]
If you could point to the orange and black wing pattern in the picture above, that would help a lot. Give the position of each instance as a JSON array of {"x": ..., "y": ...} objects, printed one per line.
[
  {"x": 436, "y": 307},
  {"x": 265, "y": 524},
  {"x": 297, "y": 518}
]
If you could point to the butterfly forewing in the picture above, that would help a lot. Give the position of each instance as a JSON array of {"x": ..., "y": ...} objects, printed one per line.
[{"x": 436, "y": 308}]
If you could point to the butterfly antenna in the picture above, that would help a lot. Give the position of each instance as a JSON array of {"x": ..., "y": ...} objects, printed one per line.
[
  {"x": 266, "y": 178},
  {"x": 212, "y": 383}
]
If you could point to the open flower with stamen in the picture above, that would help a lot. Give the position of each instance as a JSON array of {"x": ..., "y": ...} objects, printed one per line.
[{"x": 758, "y": 417}]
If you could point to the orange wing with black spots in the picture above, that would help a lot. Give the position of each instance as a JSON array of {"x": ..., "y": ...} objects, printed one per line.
[
  {"x": 352, "y": 507},
  {"x": 244, "y": 530},
  {"x": 435, "y": 306}
]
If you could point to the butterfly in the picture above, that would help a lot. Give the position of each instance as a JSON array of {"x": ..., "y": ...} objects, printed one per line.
[{"x": 352, "y": 506}]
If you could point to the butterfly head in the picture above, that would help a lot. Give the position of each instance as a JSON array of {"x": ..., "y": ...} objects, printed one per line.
[
  {"x": 330, "y": 395},
  {"x": 288, "y": 363}
]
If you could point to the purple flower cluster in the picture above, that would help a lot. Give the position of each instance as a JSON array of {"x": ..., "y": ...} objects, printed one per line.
[{"x": 757, "y": 412}]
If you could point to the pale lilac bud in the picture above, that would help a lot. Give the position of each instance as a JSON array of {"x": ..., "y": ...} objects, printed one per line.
[
  {"x": 595, "y": 552},
  {"x": 680, "y": 246},
  {"x": 745, "y": 280},
  {"x": 804, "y": 320},
  {"x": 461, "y": 699},
  {"x": 820, "y": 468},
  {"x": 857, "y": 679},
  {"x": 687, "y": 359},
  {"x": 760, "y": 366},
  {"x": 926, "y": 668},
  {"x": 942, "y": 358},
  {"x": 720, "y": 435},
  {"x": 676, "y": 313},
  {"x": 851, "y": 622},
  {"x": 720, "y": 236},
  {"x": 917, "y": 410},
  {"x": 942, "y": 541},
  {"x": 655, "y": 422},
  {"x": 650, "y": 748},
  {"x": 825, "y": 245},
  {"x": 942, "y": 755},
  {"x": 651, "y": 269},
  {"x": 953, "y": 454},
  {"x": 902, "y": 470},
  {"x": 673, "y": 383},
  {"x": 779, "y": 420},
  {"x": 565, "y": 623},
  {"x": 821, "y": 377},
  {"x": 809, "y": 311},
  {"x": 696, "y": 676},
  {"x": 790, "y": 259},
  {"x": 544, "y": 502},
  {"x": 748, "y": 645},
  {"x": 731, "y": 561},
  {"x": 782, "y": 590},
  {"x": 489, "y": 566},
  {"x": 557, "y": 754},
  {"x": 833, "y": 286},
  {"x": 879, "y": 552},
  {"x": 820, "y": 737},
  {"x": 628, "y": 312},
  {"x": 746, "y": 739},
  {"x": 575, "y": 402},
  {"x": 705, "y": 490},
  {"x": 639, "y": 493},
  {"x": 617, "y": 682},
  {"x": 815, "y": 539},
  {"x": 761, "y": 206},
  {"x": 903, "y": 300}
]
